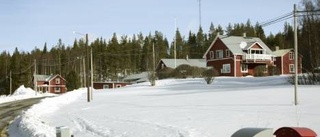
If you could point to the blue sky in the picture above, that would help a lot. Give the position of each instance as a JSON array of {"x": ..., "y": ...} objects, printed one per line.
[{"x": 27, "y": 24}]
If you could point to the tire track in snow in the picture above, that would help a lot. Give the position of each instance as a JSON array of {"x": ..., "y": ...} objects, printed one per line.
[
  {"x": 133, "y": 128},
  {"x": 117, "y": 127},
  {"x": 83, "y": 124}
]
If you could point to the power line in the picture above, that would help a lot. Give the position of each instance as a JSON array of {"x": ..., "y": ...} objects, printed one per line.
[
  {"x": 277, "y": 19},
  {"x": 288, "y": 16}
]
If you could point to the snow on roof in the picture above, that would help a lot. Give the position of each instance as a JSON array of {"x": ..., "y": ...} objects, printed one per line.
[
  {"x": 236, "y": 44},
  {"x": 42, "y": 77},
  {"x": 172, "y": 63},
  {"x": 233, "y": 43},
  {"x": 281, "y": 52},
  {"x": 139, "y": 77}
]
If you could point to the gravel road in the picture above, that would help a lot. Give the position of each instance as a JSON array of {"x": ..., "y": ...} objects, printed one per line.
[{"x": 8, "y": 111}]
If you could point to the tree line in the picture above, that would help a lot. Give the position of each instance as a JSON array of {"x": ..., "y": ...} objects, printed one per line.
[{"x": 117, "y": 57}]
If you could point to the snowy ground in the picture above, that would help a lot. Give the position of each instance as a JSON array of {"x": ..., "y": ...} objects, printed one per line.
[{"x": 175, "y": 108}]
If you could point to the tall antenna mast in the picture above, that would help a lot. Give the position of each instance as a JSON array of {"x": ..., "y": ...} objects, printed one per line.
[{"x": 199, "y": 13}]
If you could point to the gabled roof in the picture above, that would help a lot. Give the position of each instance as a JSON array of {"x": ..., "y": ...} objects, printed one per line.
[
  {"x": 54, "y": 76},
  {"x": 281, "y": 52},
  {"x": 46, "y": 77},
  {"x": 173, "y": 63},
  {"x": 140, "y": 76},
  {"x": 236, "y": 44},
  {"x": 41, "y": 77}
]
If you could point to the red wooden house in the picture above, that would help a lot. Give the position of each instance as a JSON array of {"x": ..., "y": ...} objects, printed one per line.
[
  {"x": 284, "y": 61},
  {"x": 50, "y": 84},
  {"x": 237, "y": 56}
]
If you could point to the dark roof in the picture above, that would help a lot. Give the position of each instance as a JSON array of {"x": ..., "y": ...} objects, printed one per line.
[
  {"x": 253, "y": 132},
  {"x": 302, "y": 131}
]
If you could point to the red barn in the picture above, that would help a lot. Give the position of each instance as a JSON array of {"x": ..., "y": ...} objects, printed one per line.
[{"x": 50, "y": 84}]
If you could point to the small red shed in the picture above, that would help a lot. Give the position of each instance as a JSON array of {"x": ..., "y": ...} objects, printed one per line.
[
  {"x": 295, "y": 132},
  {"x": 106, "y": 85}
]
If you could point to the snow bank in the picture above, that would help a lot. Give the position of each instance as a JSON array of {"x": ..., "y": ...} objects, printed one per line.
[
  {"x": 23, "y": 93},
  {"x": 30, "y": 124}
]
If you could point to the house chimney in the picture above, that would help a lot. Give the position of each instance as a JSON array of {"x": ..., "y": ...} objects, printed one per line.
[
  {"x": 244, "y": 35},
  {"x": 277, "y": 48}
]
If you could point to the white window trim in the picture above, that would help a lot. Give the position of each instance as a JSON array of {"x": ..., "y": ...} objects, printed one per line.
[
  {"x": 291, "y": 55},
  {"x": 211, "y": 55},
  {"x": 227, "y": 53},
  {"x": 118, "y": 86},
  {"x": 106, "y": 86},
  {"x": 57, "y": 91},
  {"x": 226, "y": 68},
  {"x": 244, "y": 71},
  {"x": 291, "y": 66},
  {"x": 57, "y": 80},
  {"x": 217, "y": 54}
]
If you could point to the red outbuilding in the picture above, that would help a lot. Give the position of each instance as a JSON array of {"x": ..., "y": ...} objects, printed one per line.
[{"x": 295, "y": 132}]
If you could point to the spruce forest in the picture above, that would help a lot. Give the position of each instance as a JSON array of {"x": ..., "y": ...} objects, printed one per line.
[{"x": 133, "y": 54}]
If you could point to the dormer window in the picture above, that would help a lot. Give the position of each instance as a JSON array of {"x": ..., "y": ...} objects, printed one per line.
[{"x": 256, "y": 51}]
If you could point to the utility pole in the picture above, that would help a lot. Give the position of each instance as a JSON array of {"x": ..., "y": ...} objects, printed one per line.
[
  {"x": 199, "y": 13},
  {"x": 87, "y": 69},
  {"x": 34, "y": 76},
  {"x": 175, "y": 43},
  {"x": 84, "y": 71},
  {"x": 10, "y": 82},
  {"x": 295, "y": 55},
  {"x": 153, "y": 83},
  {"x": 91, "y": 75}
]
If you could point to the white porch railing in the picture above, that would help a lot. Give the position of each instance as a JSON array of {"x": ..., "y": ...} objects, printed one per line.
[{"x": 262, "y": 57}]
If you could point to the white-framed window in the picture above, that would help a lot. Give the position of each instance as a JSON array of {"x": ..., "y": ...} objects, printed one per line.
[
  {"x": 57, "y": 89},
  {"x": 57, "y": 80},
  {"x": 211, "y": 55},
  {"x": 227, "y": 53},
  {"x": 291, "y": 55},
  {"x": 244, "y": 67},
  {"x": 256, "y": 51},
  {"x": 291, "y": 68},
  {"x": 162, "y": 66},
  {"x": 226, "y": 68},
  {"x": 219, "y": 54},
  {"x": 105, "y": 86}
]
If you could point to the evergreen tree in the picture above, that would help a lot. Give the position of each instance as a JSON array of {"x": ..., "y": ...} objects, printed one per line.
[{"x": 72, "y": 80}]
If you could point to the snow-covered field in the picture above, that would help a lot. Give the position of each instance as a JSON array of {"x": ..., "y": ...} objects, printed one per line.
[{"x": 175, "y": 108}]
